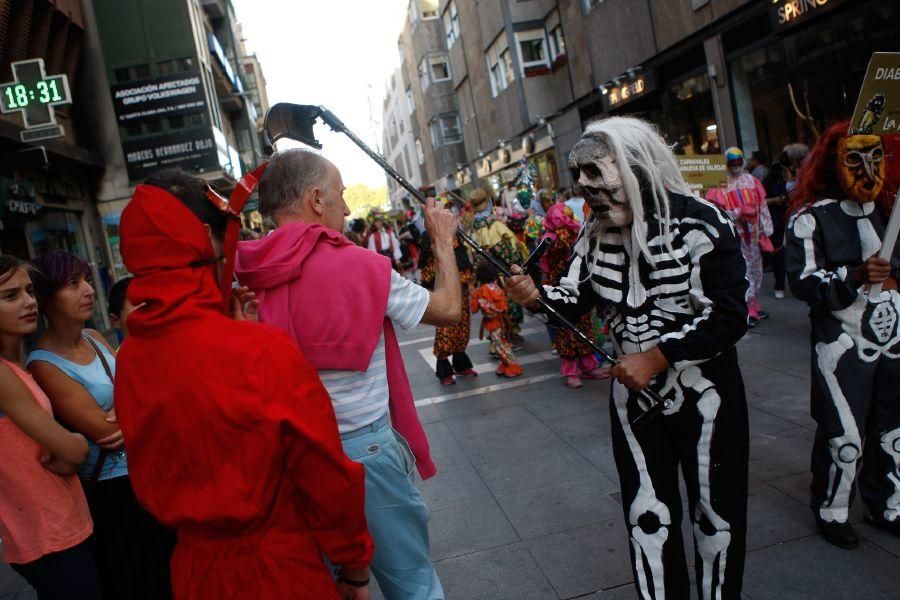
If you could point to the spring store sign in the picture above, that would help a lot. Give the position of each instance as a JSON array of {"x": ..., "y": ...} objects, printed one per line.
[{"x": 788, "y": 11}]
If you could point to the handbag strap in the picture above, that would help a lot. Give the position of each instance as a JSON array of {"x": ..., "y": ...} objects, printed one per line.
[
  {"x": 102, "y": 358},
  {"x": 101, "y": 460}
]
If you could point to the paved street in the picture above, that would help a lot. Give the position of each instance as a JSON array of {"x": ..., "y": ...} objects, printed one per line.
[{"x": 526, "y": 504}]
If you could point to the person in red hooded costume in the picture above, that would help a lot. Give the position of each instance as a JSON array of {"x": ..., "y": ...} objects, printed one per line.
[{"x": 231, "y": 437}]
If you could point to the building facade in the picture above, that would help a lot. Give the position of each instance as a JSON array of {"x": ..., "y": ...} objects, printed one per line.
[
  {"x": 398, "y": 140},
  {"x": 180, "y": 92},
  {"x": 50, "y": 188},
  {"x": 428, "y": 78},
  {"x": 528, "y": 75},
  {"x": 147, "y": 85}
]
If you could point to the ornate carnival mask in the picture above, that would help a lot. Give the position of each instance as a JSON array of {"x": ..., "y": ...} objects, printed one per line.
[
  {"x": 861, "y": 167},
  {"x": 599, "y": 178}
]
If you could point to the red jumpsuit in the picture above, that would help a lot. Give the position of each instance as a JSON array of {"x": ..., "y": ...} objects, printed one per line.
[{"x": 231, "y": 437}]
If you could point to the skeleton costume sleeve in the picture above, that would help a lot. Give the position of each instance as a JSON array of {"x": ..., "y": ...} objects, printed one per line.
[
  {"x": 821, "y": 283},
  {"x": 717, "y": 294}
]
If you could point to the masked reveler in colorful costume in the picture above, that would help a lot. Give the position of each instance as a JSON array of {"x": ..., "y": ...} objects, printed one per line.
[
  {"x": 450, "y": 343},
  {"x": 668, "y": 270},
  {"x": 502, "y": 243},
  {"x": 744, "y": 199},
  {"x": 832, "y": 246},
  {"x": 578, "y": 360}
]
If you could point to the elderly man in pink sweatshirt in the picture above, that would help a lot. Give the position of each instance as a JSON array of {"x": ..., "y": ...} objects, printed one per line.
[{"x": 341, "y": 303}]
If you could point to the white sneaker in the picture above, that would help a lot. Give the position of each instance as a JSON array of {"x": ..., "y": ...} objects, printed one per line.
[{"x": 779, "y": 294}]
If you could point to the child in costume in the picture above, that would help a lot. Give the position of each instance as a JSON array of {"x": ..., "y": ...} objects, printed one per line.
[{"x": 490, "y": 299}]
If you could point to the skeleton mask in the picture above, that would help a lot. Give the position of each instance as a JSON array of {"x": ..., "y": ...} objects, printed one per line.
[
  {"x": 861, "y": 167},
  {"x": 599, "y": 178}
]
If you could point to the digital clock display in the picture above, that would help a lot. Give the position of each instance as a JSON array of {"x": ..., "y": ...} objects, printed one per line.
[{"x": 19, "y": 95}]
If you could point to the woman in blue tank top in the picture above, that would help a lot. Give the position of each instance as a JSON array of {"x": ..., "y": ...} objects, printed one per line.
[{"x": 76, "y": 368}]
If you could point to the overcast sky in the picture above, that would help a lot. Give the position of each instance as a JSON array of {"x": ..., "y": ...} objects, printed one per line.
[{"x": 329, "y": 52}]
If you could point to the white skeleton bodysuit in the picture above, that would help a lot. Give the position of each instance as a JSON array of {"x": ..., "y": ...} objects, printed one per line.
[
  {"x": 692, "y": 305},
  {"x": 856, "y": 346}
]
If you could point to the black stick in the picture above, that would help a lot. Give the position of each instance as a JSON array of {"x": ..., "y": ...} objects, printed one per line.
[{"x": 657, "y": 403}]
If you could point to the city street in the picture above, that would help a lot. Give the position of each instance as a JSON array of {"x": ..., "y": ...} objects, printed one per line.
[{"x": 526, "y": 503}]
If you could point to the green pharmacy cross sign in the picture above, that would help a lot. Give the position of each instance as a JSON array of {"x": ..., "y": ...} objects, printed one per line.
[{"x": 34, "y": 94}]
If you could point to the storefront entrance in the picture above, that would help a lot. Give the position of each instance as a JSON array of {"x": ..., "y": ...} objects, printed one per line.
[{"x": 824, "y": 61}]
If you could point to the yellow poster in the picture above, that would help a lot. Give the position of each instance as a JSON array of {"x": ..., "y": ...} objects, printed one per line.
[{"x": 703, "y": 171}]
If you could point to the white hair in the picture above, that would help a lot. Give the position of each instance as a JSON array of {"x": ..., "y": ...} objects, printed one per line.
[{"x": 637, "y": 144}]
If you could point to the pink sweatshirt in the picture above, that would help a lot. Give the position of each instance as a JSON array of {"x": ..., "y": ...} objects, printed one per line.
[{"x": 331, "y": 296}]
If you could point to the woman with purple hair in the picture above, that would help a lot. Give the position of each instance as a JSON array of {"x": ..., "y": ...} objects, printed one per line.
[{"x": 76, "y": 368}]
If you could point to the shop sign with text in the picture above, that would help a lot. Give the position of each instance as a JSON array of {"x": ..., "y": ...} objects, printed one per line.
[
  {"x": 703, "y": 172},
  {"x": 167, "y": 96},
  {"x": 787, "y": 13},
  {"x": 619, "y": 95},
  {"x": 190, "y": 150}
]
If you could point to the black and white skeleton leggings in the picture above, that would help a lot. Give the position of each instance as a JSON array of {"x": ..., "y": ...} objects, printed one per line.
[
  {"x": 707, "y": 436},
  {"x": 856, "y": 405}
]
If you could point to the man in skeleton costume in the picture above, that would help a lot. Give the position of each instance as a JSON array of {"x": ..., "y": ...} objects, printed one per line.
[
  {"x": 667, "y": 269},
  {"x": 832, "y": 246}
]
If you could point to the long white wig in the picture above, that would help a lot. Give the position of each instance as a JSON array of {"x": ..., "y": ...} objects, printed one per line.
[{"x": 637, "y": 144}]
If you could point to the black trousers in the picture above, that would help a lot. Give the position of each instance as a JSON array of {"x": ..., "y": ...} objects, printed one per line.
[
  {"x": 66, "y": 575},
  {"x": 132, "y": 550},
  {"x": 856, "y": 405},
  {"x": 708, "y": 438}
]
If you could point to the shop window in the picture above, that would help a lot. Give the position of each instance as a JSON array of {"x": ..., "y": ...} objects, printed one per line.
[
  {"x": 450, "y": 129},
  {"x": 420, "y": 154},
  {"x": 690, "y": 119},
  {"x": 440, "y": 68},
  {"x": 499, "y": 62},
  {"x": 451, "y": 23},
  {"x": 410, "y": 103},
  {"x": 532, "y": 50},
  {"x": 423, "y": 74},
  {"x": 557, "y": 43}
]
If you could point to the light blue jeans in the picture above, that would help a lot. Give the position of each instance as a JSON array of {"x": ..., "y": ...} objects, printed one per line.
[{"x": 396, "y": 513}]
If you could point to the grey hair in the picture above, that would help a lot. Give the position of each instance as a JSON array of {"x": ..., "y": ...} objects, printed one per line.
[
  {"x": 637, "y": 144},
  {"x": 290, "y": 174},
  {"x": 796, "y": 152}
]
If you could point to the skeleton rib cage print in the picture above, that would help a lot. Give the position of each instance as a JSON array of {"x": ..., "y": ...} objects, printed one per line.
[{"x": 670, "y": 302}]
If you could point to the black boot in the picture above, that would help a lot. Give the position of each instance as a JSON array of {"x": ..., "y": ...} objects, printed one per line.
[
  {"x": 892, "y": 527},
  {"x": 837, "y": 533}
]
